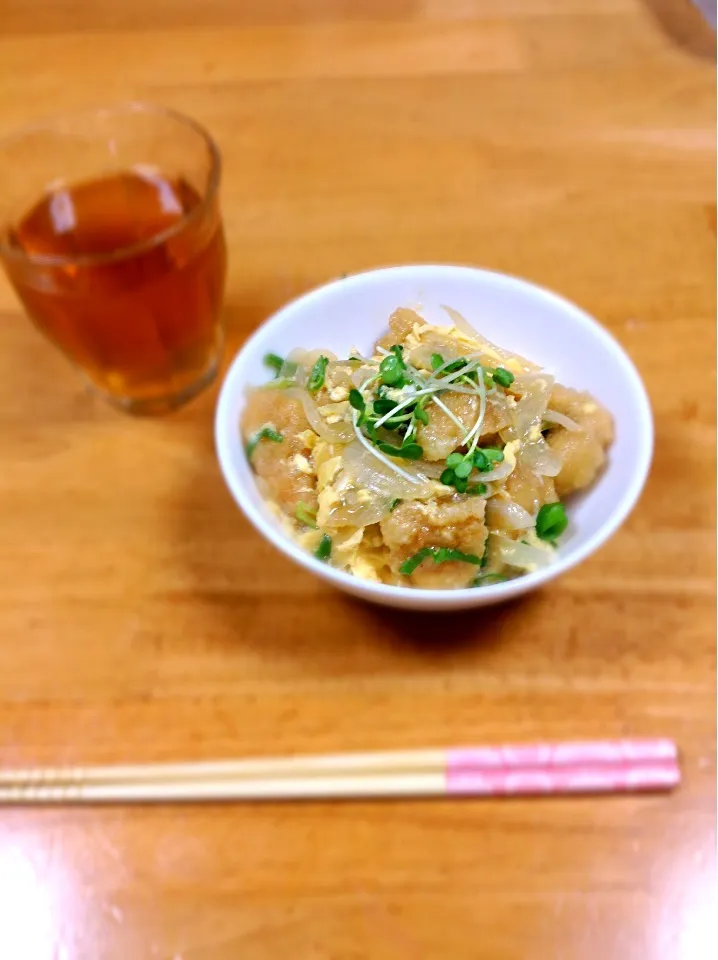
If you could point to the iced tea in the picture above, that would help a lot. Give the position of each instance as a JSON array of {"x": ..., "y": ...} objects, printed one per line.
[{"x": 124, "y": 270}]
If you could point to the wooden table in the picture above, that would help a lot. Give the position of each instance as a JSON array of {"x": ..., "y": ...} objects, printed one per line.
[{"x": 568, "y": 141}]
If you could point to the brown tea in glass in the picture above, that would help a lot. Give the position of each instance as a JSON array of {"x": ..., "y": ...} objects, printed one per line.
[{"x": 119, "y": 257}]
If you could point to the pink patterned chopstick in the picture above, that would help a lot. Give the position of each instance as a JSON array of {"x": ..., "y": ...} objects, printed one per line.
[
  {"x": 601, "y": 766},
  {"x": 605, "y": 766}
]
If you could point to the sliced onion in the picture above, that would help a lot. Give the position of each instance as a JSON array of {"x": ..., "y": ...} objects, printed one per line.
[
  {"x": 341, "y": 432},
  {"x": 307, "y": 358},
  {"x": 500, "y": 472},
  {"x": 553, "y": 416},
  {"x": 426, "y": 469},
  {"x": 355, "y": 510},
  {"x": 512, "y": 514},
  {"x": 335, "y": 408},
  {"x": 371, "y": 474},
  {"x": 521, "y": 555},
  {"x": 539, "y": 457},
  {"x": 450, "y": 349},
  {"x": 462, "y": 324},
  {"x": 525, "y": 380},
  {"x": 339, "y": 374},
  {"x": 498, "y": 414},
  {"x": 532, "y": 405},
  {"x": 292, "y": 373}
]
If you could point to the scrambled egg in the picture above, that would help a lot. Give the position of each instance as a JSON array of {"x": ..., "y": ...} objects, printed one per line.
[
  {"x": 464, "y": 340},
  {"x": 345, "y": 546},
  {"x": 308, "y": 438},
  {"x": 359, "y": 550},
  {"x": 302, "y": 464},
  {"x": 327, "y": 467},
  {"x": 334, "y": 412},
  {"x": 510, "y": 451},
  {"x": 397, "y": 394},
  {"x": 308, "y": 540},
  {"x": 367, "y": 567},
  {"x": 327, "y": 500}
]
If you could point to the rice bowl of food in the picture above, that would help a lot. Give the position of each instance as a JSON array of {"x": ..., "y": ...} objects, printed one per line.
[{"x": 434, "y": 437}]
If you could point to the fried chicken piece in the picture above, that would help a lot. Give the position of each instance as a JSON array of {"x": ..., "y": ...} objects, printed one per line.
[
  {"x": 457, "y": 522},
  {"x": 583, "y": 452},
  {"x": 284, "y": 466}
]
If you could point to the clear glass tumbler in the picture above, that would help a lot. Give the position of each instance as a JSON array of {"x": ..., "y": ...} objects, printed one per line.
[{"x": 110, "y": 233}]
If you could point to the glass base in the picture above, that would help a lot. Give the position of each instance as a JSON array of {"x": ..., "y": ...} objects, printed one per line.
[{"x": 157, "y": 406}]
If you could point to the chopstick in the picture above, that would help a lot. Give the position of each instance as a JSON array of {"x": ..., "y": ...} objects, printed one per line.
[{"x": 603, "y": 766}]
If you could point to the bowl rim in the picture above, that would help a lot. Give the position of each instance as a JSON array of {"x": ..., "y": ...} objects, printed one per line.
[{"x": 225, "y": 423}]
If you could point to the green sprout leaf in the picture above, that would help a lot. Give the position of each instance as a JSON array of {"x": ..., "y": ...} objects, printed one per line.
[
  {"x": 274, "y": 362},
  {"x": 392, "y": 368},
  {"x": 551, "y": 521},
  {"x": 420, "y": 414},
  {"x": 448, "y": 477},
  {"x": 503, "y": 377},
  {"x": 476, "y": 489},
  {"x": 356, "y": 400},
  {"x": 485, "y": 554},
  {"x": 481, "y": 461},
  {"x": 306, "y": 515},
  {"x": 408, "y": 451},
  {"x": 493, "y": 454},
  {"x": 266, "y": 433},
  {"x": 438, "y": 555},
  {"x": 324, "y": 550},
  {"x": 316, "y": 377},
  {"x": 456, "y": 365},
  {"x": 383, "y": 405}
]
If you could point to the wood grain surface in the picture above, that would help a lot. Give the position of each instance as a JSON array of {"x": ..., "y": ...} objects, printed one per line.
[{"x": 567, "y": 141}]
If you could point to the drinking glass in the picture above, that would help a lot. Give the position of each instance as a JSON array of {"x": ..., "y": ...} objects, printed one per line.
[{"x": 111, "y": 235}]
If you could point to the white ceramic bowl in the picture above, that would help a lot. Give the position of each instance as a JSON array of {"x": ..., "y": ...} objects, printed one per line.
[{"x": 515, "y": 314}]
